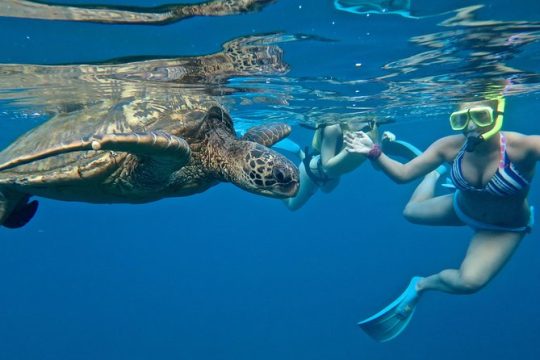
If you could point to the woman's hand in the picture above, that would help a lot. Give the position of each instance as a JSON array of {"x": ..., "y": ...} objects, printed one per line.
[
  {"x": 388, "y": 136},
  {"x": 358, "y": 143}
]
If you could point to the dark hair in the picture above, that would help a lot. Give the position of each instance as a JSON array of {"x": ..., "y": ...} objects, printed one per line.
[{"x": 491, "y": 103}]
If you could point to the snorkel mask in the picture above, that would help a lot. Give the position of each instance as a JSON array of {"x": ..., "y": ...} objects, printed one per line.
[{"x": 482, "y": 116}]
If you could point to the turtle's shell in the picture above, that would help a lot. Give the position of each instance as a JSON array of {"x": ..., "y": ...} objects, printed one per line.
[{"x": 179, "y": 116}]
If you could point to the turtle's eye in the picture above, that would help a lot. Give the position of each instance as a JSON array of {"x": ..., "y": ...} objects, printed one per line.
[{"x": 280, "y": 175}]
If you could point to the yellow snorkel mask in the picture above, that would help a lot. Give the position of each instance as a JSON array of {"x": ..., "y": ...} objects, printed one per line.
[{"x": 482, "y": 116}]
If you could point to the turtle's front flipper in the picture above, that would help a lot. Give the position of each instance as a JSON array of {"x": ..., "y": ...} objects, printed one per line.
[
  {"x": 153, "y": 143},
  {"x": 268, "y": 134}
]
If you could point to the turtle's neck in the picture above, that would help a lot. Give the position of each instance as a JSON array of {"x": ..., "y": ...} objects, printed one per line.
[{"x": 221, "y": 154}]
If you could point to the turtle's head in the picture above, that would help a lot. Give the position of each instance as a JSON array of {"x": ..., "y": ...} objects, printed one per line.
[{"x": 261, "y": 170}]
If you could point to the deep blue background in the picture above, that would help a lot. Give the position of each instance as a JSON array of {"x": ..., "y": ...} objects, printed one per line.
[{"x": 229, "y": 275}]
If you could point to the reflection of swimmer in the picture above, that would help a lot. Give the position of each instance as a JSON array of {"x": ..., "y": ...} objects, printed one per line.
[
  {"x": 491, "y": 171},
  {"x": 403, "y": 8},
  {"x": 323, "y": 165},
  {"x": 398, "y": 7},
  {"x": 128, "y": 15}
]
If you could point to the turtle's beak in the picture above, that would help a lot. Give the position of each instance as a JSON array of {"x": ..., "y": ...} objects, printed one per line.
[
  {"x": 288, "y": 183},
  {"x": 291, "y": 189}
]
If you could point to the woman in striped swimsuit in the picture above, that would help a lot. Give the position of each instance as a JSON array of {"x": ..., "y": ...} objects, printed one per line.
[{"x": 491, "y": 172}]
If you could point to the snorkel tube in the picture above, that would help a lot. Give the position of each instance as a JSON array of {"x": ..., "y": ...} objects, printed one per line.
[
  {"x": 472, "y": 142},
  {"x": 501, "y": 103}
]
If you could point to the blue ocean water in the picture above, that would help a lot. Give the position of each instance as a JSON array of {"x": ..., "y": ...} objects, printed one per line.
[{"x": 230, "y": 275}]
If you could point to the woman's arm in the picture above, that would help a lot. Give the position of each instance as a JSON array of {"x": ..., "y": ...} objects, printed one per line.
[
  {"x": 429, "y": 160},
  {"x": 337, "y": 164}
]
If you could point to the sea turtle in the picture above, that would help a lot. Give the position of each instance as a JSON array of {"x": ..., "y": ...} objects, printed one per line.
[{"x": 138, "y": 151}]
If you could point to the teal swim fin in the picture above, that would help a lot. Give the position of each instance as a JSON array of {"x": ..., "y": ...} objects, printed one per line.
[
  {"x": 288, "y": 145},
  {"x": 393, "y": 319},
  {"x": 404, "y": 150}
]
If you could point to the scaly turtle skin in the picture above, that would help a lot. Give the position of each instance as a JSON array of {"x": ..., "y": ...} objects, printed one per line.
[{"x": 138, "y": 151}]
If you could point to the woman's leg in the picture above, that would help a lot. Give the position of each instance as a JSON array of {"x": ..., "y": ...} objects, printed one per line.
[
  {"x": 329, "y": 185},
  {"x": 487, "y": 254},
  {"x": 426, "y": 209},
  {"x": 305, "y": 192}
]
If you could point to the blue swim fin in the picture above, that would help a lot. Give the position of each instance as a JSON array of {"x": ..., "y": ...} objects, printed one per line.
[
  {"x": 393, "y": 319},
  {"x": 288, "y": 145},
  {"x": 404, "y": 150}
]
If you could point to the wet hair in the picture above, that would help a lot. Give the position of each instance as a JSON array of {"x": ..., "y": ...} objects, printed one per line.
[
  {"x": 491, "y": 103},
  {"x": 345, "y": 126}
]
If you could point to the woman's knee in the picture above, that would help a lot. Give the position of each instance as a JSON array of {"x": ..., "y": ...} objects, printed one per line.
[
  {"x": 472, "y": 283},
  {"x": 411, "y": 213}
]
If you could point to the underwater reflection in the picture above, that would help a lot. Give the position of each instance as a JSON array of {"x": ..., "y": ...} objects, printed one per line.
[
  {"x": 61, "y": 87},
  {"x": 413, "y": 9},
  {"x": 127, "y": 15},
  {"x": 472, "y": 57},
  {"x": 454, "y": 58},
  {"x": 398, "y": 7}
]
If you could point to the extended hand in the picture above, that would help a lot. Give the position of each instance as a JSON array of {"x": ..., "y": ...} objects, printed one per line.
[
  {"x": 388, "y": 136},
  {"x": 358, "y": 142}
]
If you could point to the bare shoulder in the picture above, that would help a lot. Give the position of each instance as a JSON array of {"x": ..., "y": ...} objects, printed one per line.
[
  {"x": 523, "y": 148},
  {"x": 521, "y": 141},
  {"x": 512, "y": 136}
]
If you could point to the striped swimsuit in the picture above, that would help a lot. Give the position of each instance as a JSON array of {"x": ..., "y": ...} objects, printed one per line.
[{"x": 505, "y": 182}]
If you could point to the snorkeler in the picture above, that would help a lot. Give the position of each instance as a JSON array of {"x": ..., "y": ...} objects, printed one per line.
[
  {"x": 323, "y": 165},
  {"x": 416, "y": 9},
  {"x": 491, "y": 170},
  {"x": 398, "y": 7}
]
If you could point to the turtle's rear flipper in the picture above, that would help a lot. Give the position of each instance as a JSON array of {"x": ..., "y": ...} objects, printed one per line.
[
  {"x": 21, "y": 215},
  {"x": 15, "y": 210}
]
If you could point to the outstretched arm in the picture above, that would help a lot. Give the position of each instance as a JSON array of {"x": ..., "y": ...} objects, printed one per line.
[
  {"x": 421, "y": 165},
  {"x": 337, "y": 163}
]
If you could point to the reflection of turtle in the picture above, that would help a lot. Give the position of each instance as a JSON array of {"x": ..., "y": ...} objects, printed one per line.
[
  {"x": 34, "y": 9},
  {"x": 138, "y": 151},
  {"x": 54, "y": 87}
]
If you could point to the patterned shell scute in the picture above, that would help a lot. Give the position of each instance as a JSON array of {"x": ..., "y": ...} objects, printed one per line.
[{"x": 180, "y": 116}]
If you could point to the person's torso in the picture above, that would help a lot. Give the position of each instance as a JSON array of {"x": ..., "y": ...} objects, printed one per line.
[{"x": 507, "y": 181}]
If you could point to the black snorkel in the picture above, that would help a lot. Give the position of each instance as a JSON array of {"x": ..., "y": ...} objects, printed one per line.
[{"x": 473, "y": 142}]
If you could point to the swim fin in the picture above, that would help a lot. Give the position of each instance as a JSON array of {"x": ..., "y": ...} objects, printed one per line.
[
  {"x": 404, "y": 150},
  {"x": 393, "y": 319},
  {"x": 288, "y": 145}
]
